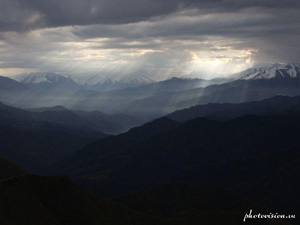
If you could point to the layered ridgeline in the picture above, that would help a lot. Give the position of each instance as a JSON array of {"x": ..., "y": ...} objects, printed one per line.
[
  {"x": 36, "y": 138},
  {"x": 225, "y": 111},
  {"x": 92, "y": 120},
  {"x": 28, "y": 199},
  {"x": 48, "y": 89},
  {"x": 250, "y": 85},
  {"x": 149, "y": 99},
  {"x": 244, "y": 162},
  {"x": 97, "y": 120}
]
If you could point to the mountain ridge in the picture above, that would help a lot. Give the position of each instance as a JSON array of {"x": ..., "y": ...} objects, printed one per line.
[
  {"x": 276, "y": 70},
  {"x": 226, "y": 111}
]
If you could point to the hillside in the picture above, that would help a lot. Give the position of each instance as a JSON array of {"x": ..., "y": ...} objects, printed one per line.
[
  {"x": 35, "y": 140},
  {"x": 27, "y": 199},
  {"x": 9, "y": 170},
  {"x": 271, "y": 106},
  {"x": 232, "y": 155}
]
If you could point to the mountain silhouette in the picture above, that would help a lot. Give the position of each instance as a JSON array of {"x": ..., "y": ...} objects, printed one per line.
[
  {"x": 227, "y": 155},
  {"x": 56, "y": 200},
  {"x": 269, "y": 106}
]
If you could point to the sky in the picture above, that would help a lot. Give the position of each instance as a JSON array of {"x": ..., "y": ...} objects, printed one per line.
[{"x": 154, "y": 38}]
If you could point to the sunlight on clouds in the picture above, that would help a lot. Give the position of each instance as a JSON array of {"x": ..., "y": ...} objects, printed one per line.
[
  {"x": 14, "y": 71},
  {"x": 59, "y": 50},
  {"x": 227, "y": 61}
]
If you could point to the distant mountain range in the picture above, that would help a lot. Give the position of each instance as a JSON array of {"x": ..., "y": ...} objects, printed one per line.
[
  {"x": 41, "y": 78},
  {"x": 236, "y": 91},
  {"x": 36, "y": 138},
  {"x": 98, "y": 82},
  {"x": 276, "y": 70},
  {"x": 94, "y": 82},
  {"x": 148, "y": 99},
  {"x": 111, "y": 124},
  {"x": 82, "y": 120},
  {"x": 47, "y": 81}
]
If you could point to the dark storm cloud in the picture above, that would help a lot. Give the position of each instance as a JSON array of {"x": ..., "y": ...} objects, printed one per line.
[
  {"x": 32, "y": 14},
  {"x": 19, "y": 14},
  {"x": 243, "y": 24}
]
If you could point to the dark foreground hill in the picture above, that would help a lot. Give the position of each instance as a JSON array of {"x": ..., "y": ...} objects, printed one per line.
[
  {"x": 231, "y": 156},
  {"x": 9, "y": 169},
  {"x": 27, "y": 199},
  {"x": 56, "y": 200},
  {"x": 36, "y": 147}
]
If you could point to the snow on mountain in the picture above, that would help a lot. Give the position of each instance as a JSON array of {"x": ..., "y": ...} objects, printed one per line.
[
  {"x": 136, "y": 80},
  {"x": 99, "y": 80},
  {"x": 277, "y": 70},
  {"x": 91, "y": 80},
  {"x": 41, "y": 77}
]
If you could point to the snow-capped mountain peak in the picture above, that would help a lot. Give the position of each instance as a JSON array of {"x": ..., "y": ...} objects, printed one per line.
[
  {"x": 276, "y": 70},
  {"x": 98, "y": 82},
  {"x": 40, "y": 77}
]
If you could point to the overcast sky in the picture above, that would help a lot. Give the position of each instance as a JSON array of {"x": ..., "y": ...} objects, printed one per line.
[{"x": 157, "y": 38}]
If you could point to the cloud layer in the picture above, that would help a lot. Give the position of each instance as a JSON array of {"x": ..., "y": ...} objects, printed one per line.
[{"x": 159, "y": 38}]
